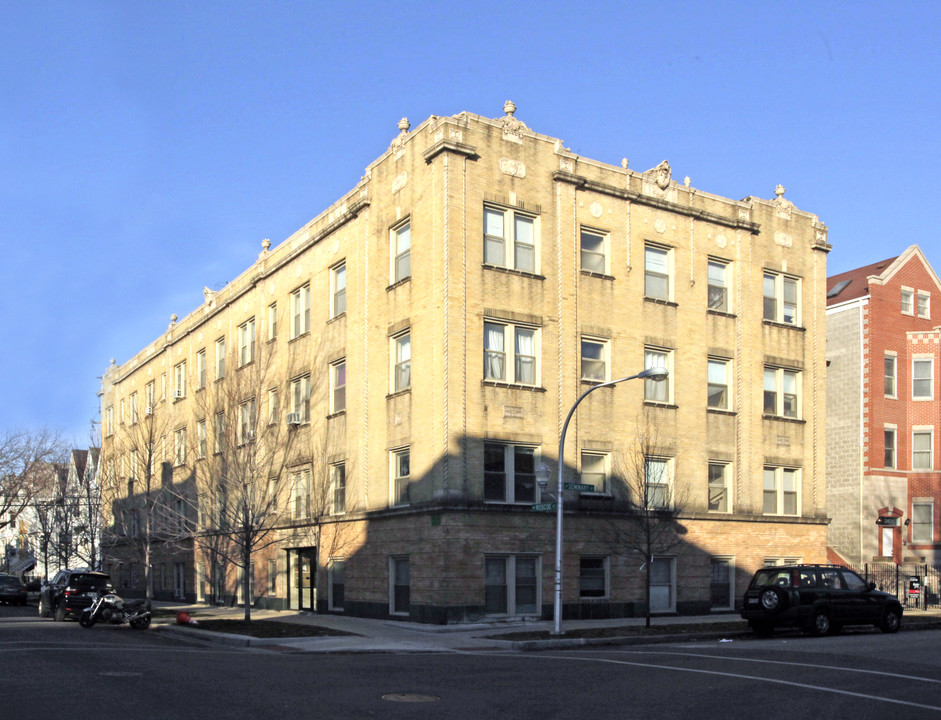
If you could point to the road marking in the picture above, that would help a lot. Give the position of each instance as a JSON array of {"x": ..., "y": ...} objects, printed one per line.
[{"x": 737, "y": 676}]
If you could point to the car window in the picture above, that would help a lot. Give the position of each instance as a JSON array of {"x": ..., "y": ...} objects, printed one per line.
[
  {"x": 831, "y": 579},
  {"x": 90, "y": 582},
  {"x": 853, "y": 581},
  {"x": 772, "y": 576}
]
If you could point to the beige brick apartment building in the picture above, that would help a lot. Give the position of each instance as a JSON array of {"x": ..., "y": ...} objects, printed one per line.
[{"x": 414, "y": 350}]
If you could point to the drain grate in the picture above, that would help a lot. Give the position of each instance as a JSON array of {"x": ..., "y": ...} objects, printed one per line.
[{"x": 410, "y": 697}]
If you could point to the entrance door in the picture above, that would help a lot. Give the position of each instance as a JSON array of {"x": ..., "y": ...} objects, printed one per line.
[
  {"x": 888, "y": 537},
  {"x": 302, "y": 573}
]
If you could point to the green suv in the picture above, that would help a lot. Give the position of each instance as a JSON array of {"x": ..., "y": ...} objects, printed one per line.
[{"x": 821, "y": 599}]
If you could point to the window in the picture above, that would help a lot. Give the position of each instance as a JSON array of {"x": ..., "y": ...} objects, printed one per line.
[
  {"x": 133, "y": 403},
  {"x": 123, "y": 414},
  {"x": 246, "y": 342},
  {"x": 338, "y": 387},
  {"x": 657, "y": 272},
  {"x": 781, "y": 294},
  {"x": 400, "y": 586},
  {"x": 163, "y": 386},
  {"x": 922, "y": 450},
  {"x": 922, "y": 522},
  {"x": 721, "y": 590},
  {"x": 717, "y": 285},
  {"x": 272, "y": 577},
  {"x": 594, "y": 251},
  {"x": 593, "y": 577},
  {"x": 657, "y": 390},
  {"x": 246, "y": 428},
  {"x": 781, "y": 392},
  {"x": 201, "y": 369},
  {"x": 594, "y": 360},
  {"x": 657, "y": 483},
  {"x": 301, "y": 483},
  {"x": 201, "y": 439},
  {"x": 272, "y": 498},
  {"x": 595, "y": 471},
  {"x": 510, "y": 585},
  {"x": 219, "y": 433},
  {"x": 923, "y": 378},
  {"x": 338, "y": 487},
  {"x": 300, "y": 311},
  {"x": 509, "y": 239},
  {"x": 718, "y": 487},
  {"x": 300, "y": 399},
  {"x": 402, "y": 361},
  {"x": 400, "y": 476},
  {"x": 718, "y": 380},
  {"x": 109, "y": 420},
  {"x": 662, "y": 585},
  {"x": 338, "y": 286},
  {"x": 781, "y": 487},
  {"x": 509, "y": 473},
  {"x": 179, "y": 446},
  {"x": 908, "y": 297},
  {"x": 179, "y": 380},
  {"x": 890, "y": 373},
  {"x": 336, "y": 581},
  {"x": 272, "y": 321},
  {"x": 401, "y": 242},
  {"x": 149, "y": 398},
  {"x": 889, "y": 447},
  {"x": 273, "y": 407},
  {"x": 220, "y": 358},
  {"x": 513, "y": 364},
  {"x": 923, "y": 304}
]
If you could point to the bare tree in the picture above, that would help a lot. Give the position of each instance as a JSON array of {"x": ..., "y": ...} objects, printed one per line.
[
  {"x": 87, "y": 490},
  {"x": 648, "y": 501},
  {"x": 24, "y": 458}
]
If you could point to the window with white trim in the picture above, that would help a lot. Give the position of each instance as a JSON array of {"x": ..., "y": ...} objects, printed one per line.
[
  {"x": 781, "y": 298},
  {"x": 201, "y": 443},
  {"x": 510, "y": 239},
  {"x": 718, "y": 383},
  {"x": 922, "y": 449},
  {"x": 782, "y": 392},
  {"x": 109, "y": 420},
  {"x": 338, "y": 487},
  {"x": 889, "y": 447},
  {"x": 338, "y": 386},
  {"x": 400, "y": 466},
  {"x": 219, "y": 432},
  {"x": 662, "y": 585},
  {"x": 301, "y": 486},
  {"x": 201, "y": 369},
  {"x": 658, "y": 475},
  {"x": 401, "y": 243},
  {"x": 179, "y": 446},
  {"x": 402, "y": 361},
  {"x": 592, "y": 577},
  {"x": 594, "y": 251},
  {"x": 179, "y": 380},
  {"x": 246, "y": 427},
  {"x": 717, "y": 285},
  {"x": 510, "y": 353},
  {"x": 908, "y": 301},
  {"x": 509, "y": 473},
  {"x": 923, "y": 304},
  {"x": 718, "y": 488},
  {"x": 273, "y": 406},
  {"x": 338, "y": 289},
  {"x": 890, "y": 370},
  {"x": 300, "y": 311},
  {"x": 511, "y": 584},
  {"x": 132, "y": 400},
  {"x": 300, "y": 398},
  {"x": 246, "y": 342},
  {"x": 922, "y": 378},
  {"x": 657, "y": 272},
  {"x": 595, "y": 354},
  {"x": 922, "y": 521},
  {"x": 149, "y": 398},
  {"x": 781, "y": 491},
  {"x": 660, "y": 391},
  {"x": 595, "y": 471},
  {"x": 220, "y": 358},
  {"x": 272, "y": 321}
]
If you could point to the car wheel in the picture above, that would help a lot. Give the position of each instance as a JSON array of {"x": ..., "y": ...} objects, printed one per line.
[
  {"x": 773, "y": 600},
  {"x": 761, "y": 628},
  {"x": 820, "y": 623},
  {"x": 60, "y": 612},
  {"x": 891, "y": 621},
  {"x": 43, "y": 610}
]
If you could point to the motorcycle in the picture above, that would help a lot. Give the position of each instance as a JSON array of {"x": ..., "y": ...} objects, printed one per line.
[{"x": 111, "y": 608}]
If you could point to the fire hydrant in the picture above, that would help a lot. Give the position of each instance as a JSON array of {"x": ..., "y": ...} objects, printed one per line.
[{"x": 183, "y": 618}]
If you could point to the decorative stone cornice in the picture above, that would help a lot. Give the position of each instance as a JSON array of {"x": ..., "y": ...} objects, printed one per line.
[{"x": 451, "y": 146}]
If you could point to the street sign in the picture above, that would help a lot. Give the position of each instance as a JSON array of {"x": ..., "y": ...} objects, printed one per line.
[
  {"x": 544, "y": 507},
  {"x": 582, "y": 487}
]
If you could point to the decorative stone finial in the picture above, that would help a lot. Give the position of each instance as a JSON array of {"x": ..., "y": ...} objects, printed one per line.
[
  {"x": 509, "y": 107},
  {"x": 404, "y": 125},
  {"x": 399, "y": 141},
  {"x": 624, "y": 163},
  {"x": 265, "y": 244},
  {"x": 686, "y": 181},
  {"x": 779, "y": 191}
]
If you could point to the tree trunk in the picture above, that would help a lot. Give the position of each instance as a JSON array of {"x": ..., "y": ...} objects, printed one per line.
[
  {"x": 246, "y": 578},
  {"x": 647, "y": 583}
]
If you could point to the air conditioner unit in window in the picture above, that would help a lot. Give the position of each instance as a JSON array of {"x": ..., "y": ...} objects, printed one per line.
[
  {"x": 177, "y": 394},
  {"x": 250, "y": 435},
  {"x": 149, "y": 410},
  {"x": 294, "y": 418}
]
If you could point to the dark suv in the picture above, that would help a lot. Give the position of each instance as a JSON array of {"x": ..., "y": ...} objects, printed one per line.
[
  {"x": 821, "y": 599},
  {"x": 70, "y": 592}
]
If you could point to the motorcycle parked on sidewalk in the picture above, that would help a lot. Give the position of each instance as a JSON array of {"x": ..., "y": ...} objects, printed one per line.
[{"x": 111, "y": 608}]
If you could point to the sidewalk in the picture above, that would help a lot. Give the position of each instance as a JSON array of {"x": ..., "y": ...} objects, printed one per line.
[{"x": 397, "y": 636}]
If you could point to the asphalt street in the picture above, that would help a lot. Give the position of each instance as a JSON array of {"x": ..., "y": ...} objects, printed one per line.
[{"x": 54, "y": 668}]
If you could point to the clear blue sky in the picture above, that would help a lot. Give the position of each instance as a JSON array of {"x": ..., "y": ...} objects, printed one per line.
[{"x": 147, "y": 148}]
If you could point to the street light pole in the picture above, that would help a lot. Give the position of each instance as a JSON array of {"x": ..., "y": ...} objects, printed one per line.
[{"x": 656, "y": 374}]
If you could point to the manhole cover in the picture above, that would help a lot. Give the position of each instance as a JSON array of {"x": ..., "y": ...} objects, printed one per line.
[
  {"x": 410, "y": 697},
  {"x": 120, "y": 673}
]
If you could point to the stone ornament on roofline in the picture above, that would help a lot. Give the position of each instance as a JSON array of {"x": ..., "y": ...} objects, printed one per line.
[
  {"x": 512, "y": 127},
  {"x": 399, "y": 143},
  {"x": 782, "y": 206}
]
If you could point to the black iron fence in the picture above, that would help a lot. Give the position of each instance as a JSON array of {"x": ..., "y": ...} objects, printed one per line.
[{"x": 916, "y": 585}]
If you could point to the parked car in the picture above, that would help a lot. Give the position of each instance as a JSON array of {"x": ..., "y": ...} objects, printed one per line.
[
  {"x": 70, "y": 592},
  {"x": 820, "y": 599},
  {"x": 12, "y": 590}
]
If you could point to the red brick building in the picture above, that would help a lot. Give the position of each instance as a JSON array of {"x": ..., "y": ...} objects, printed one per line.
[{"x": 883, "y": 411}]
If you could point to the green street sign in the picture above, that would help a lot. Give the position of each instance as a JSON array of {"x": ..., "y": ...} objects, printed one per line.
[
  {"x": 544, "y": 507},
  {"x": 583, "y": 487}
]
